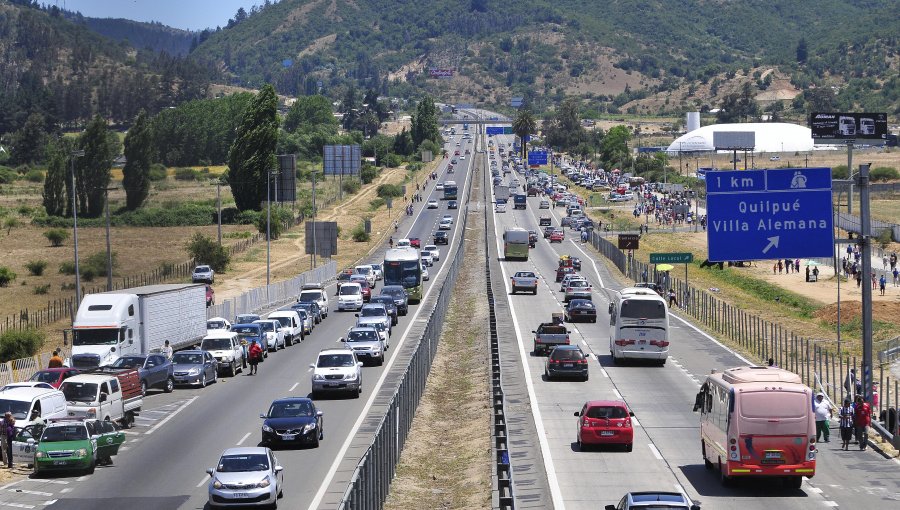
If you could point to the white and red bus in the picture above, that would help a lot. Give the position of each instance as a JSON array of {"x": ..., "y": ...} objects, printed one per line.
[{"x": 757, "y": 421}]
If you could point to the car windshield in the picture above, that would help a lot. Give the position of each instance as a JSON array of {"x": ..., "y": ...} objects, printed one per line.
[
  {"x": 65, "y": 433},
  {"x": 372, "y": 311},
  {"x": 349, "y": 290},
  {"x": 364, "y": 270},
  {"x": 310, "y": 296},
  {"x": 580, "y": 303},
  {"x": 216, "y": 325},
  {"x": 129, "y": 362},
  {"x": 201, "y": 269},
  {"x": 18, "y": 408},
  {"x": 578, "y": 283},
  {"x": 364, "y": 335},
  {"x": 385, "y": 300},
  {"x": 335, "y": 360},
  {"x": 246, "y": 319},
  {"x": 612, "y": 412},
  {"x": 290, "y": 409},
  {"x": 285, "y": 321},
  {"x": 79, "y": 392},
  {"x": 244, "y": 331},
  {"x": 184, "y": 358},
  {"x": 45, "y": 377},
  {"x": 267, "y": 326},
  {"x": 243, "y": 463}
]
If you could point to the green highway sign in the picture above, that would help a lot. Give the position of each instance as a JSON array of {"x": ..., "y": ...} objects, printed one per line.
[{"x": 671, "y": 258}]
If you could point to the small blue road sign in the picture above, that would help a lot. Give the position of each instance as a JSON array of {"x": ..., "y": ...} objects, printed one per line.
[
  {"x": 537, "y": 158},
  {"x": 494, "y": 130}
]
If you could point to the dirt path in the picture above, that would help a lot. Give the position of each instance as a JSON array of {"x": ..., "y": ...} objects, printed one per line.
[{"x": 445, "y": 463}]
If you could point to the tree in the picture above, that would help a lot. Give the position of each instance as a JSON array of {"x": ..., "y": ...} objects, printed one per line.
[
  {"x": 100, "y": 147},
  {"x": 820, "y": 99},
  {"x": 252, "y": 154},
  {"x": 138, "y": 154},
  {"x": 206, "y": 251},
  {"x": 310, "y": 111},
  {"x": 802, "y": 51},
  {"x": 55, "y": 181},
  {"x": 524, "y": 125},
  {"x": 564, "y": 129},
  {"x": 424, "y": 122},
  {"x": 29, "y": 142},
  {"x": 614, "y": 147}
]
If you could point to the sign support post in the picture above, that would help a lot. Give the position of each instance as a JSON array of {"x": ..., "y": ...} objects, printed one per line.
[{"x": 866, "y": 240}]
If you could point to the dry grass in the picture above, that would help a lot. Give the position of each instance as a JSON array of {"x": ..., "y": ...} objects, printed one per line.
[{"x": 445, "y": 463}]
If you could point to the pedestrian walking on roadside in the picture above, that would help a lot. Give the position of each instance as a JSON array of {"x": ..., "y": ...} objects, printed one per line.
[
  {"x": 255, "y": 356},
  {"x": 673, "y": 298},
  {"x": 9, "y": 433},
  {"x": 824, "y": 412},
  {"x": 862, "y": 418},
  {"x": 896, "y": 277},
  {"x": 873, "y": 280},
  {"x": 780, "y": 266},
  {"x": 845, "y": 415},
  {"x": 884, "y": 262},
  {"x": 771, "y": 362},
  {"x": 788, "y": 265},
  {"x": 55, "y": 361},
  {"x": 796, "y": 265},
  {"x": 881, "y": 283}
]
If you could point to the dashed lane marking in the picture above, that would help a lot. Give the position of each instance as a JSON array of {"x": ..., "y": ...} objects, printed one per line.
[
  {"x": 604, "y": 372},
  {"x": 50, "y": 502},
  {"x": 33, "y": 493},
  {"x": 243, "y": 439},
  {"x": 203, "y": 482},
  {"x": 618, "y": 395},
  {"x": 293, "y": 387},
  {"x": 655, "y": 451},
  {"x": 16, "y": 505}
]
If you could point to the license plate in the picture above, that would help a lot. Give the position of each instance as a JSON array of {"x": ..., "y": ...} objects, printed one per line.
[
  {"x": 240, "y": 495},
  {"x": 289, "y": 437},
  {"x": 567, "y": 365},
  {"x": 773, "y": 455},
  {"x": 607, "y": 433},
  {"x": 332, "y": 385},
  {"x": 642, "y": 342},
  {"x": 60, "y": 462}
]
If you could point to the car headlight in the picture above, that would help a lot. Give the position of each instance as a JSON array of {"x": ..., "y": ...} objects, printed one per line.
[
  {"x": 319, "y": 377},
  {"x": 194, "y": 371},
  {"x": 266, "y": 428},
  {"x": 350, "y": 377},
  {"x": 309, "y": 426},
  {"x": 263, "y": 483},
  {"x": 216, "y": 484},
  {"x": 40, "y": 455},
  {"x": 81, "y": 452}
]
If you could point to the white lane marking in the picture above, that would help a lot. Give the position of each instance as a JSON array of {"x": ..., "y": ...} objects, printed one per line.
[
  {"x": 293, "y": 387},
  {"x": 618, "y": 395},
  {"x": 329, "y": 476},
  {"x": 33, "y": 493},
  {"x": 50, "y": 502},
  {"x": 131, "y": 433},
  {"x": 243, "y": 439},
  {"x": 832, "y": 504},
  {"x": 720, "y": 344},
  {"x": 814, "y": 489},
  {"x": 593, "y": 264},
  {"x": 655, "y": 451},
  {"x": 14, "y": 483},
  {"x": 66, "y": 490},
  {"x": 555, "y": 491},
  {"x": 82, "y": 478},
  {"x": 604, "y": 372},
  {"x": 167, "y": 418},
  {"x": 16, "y": 505},
  {"x": 38, "y": 480},
  {"x": 635, "y": 421},
  {"x": 203, "y": 482}
]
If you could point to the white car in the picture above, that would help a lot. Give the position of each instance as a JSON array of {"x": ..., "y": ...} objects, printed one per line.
[
  {"x": 245, "y": 474},
  {"x": 545, "y": 204},
  {"x": 432, "y": 204},
  {"x": 379, "y": 271},
  {"x": 217, "y": 324},
  {"x": 500, "y": 208},
  {"x": 317, "y": 296},
  {"x": 336, "y": 370},
  {"x": 568, "y": 279},
  {"x": 425, "y": 273},
  {"x": 433, "y": 249},
  {"x": 775, "y": 158},
  {"x": 291, "y": 324},
  {"x": 367, "y": 271},
  {"x": 445, "y": 224},
  {"x": 439, "y": 186},
  {"x": 403, "y": 243},
  {"x": 350, "y": 297},
  {"x": 448, "y": 217},
  {"x": 462, "y": 158},
  {"x": 274, "y": 333},
  {"x": 426, "y": 258}
]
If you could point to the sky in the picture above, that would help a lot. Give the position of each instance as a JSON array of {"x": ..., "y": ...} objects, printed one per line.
[{"x": 184, "y": 14}]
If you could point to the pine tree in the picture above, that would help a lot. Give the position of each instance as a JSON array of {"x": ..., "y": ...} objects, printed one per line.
[
  {"x": 138, "y": 154},
  {"x": 55, "y": 180},
  {"x": 252, "y": 154},
  {"x": 100, "y": 147}
]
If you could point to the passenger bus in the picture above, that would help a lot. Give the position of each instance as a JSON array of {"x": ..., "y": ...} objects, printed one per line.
[
  {"x": 402, "y": 266},
  {"x": 639, "y": 326},
  {"x": 451, "y": 190},
  {"x": 757, "y": 421},
  {"x": 515, "y": 244}
]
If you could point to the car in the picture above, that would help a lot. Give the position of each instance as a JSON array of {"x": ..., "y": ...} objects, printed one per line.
[
  {"x": 577, "y": 288},
  {"x": 366, "y": 342},
  {"x": 439, "y": 186},
  {"x": 203, "y": 274},
  {"x": 245, "y": 476},
  {"x": 775, "y": 158},
  {"x": 53, "y": 377},
  {"x": 654, "y": 500},
  {"x": 547, "y": 231},
  {"x": 544, "y": 204},
  {"x": 367, "y": 271},
  {"x": 249, "y": 333},
  {"x": 566, "y": 361},
  {"x": 336, "y": 370},
  {"x": 307, "y": 321},
  {"x": 435, "y": 253},
  {"x": 432, "y": 204},
  {"x": 399, "y": 295},
  {"x": 350, "y": 297},
  {"x": 317, "y": 296},
  {"x": 312, "y": 310},
  {"x": 445, "y": 224},
  {"x": 155, "y": 370},
  {"x": 603, "y": 422},
  {"x": 210, "y": 296},
  {"x": 425, "y": 275},
  {"x": 545, "y": 221},
  {"x": 343, "y": 277},
  {"x": 403, "y": 243},
  {"x": 650, "y": 285},
  {"x": 425, "y": 257},
  {"x": 500, "y": 207},
  {"x": 389, "y": 304},
  {"x": 557, "y": 236},
  {"x": 273, "y": 333},
  {"x": 218, "y": 324},
  {"x": 452, "y": 204},
  {"x": 365, "y": 288},
  {"x": 376, "y": 314},
  {"x": 532, "y": 238},
  {"x": 379, "y": 271},
  {"x": 195, "y": 367},
  {"x": 562, "y": 271},
  {"x": 292, "y": 420},
  {"x": 441, "y": 237},
  {"x": 415, "y": 242},
  {"x": 28, "y": 384},
  {"x": 580, "y": 309},
  {"x": 462, "y": 158},
  {"x": 246, "y": 318},
  {"x": 68, "y": 445},
  {"x": 227, "y": 349}
]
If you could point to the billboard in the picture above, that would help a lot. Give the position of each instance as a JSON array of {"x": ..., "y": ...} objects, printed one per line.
[
  {"x": 840, "y": 127},
  {"x": 321, "y": 238},
  {"x": 441, "y": 72},
  {"x": 341, "y": 159},
  {"x": 734, "y": 140},
  {"x": 285, "y": 189}
]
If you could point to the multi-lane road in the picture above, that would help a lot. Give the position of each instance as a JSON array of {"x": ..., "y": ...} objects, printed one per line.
[
  {"x": 666, "y": 454},
  {"x": 180, "y": 435}
]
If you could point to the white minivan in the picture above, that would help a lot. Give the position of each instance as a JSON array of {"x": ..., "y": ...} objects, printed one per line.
[{"x": 22, "y": 401}]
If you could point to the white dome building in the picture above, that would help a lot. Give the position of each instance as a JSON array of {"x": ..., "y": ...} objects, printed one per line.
[{"x": 770, "y": 137}]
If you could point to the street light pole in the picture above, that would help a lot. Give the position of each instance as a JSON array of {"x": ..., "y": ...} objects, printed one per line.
[
  {"x": 75, "y": 154},
  {"x": 268, "y": 228}
]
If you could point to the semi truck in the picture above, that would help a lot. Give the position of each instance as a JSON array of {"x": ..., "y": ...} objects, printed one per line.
[
  {"x": 501, "y": 193},
  {"x": 137, "y": 321}
]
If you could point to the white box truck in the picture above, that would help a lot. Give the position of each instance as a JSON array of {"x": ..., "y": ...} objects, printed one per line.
[{"x": 137, "y": 321}]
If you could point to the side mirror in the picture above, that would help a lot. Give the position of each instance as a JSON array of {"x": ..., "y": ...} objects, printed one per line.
[
  {"x": 577, "y": 413},
  {"x": 312, "y": 365},
  {"x": 319, "y": 414},
  {"x": 630, "y": 413},
  {"x": 533, "y": 331},
  {"x": 210, "y": 472},
  {"x": 341, "y": 339},
  {"x": 95, "y": 437},
  {"x": 359, "y": 363},
  {"x": 103, "y": 397},
  {"x": 263, "y": 416},
  {"x": 112, "y": 349},
  {"x": 279, "y": 469},
  {"x": 30, "y": 440}
]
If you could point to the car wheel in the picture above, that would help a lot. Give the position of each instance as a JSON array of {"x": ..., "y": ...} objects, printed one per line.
[
  {"x": 170, "y": 385},
  {"x": 315, "y": 443},
  {"x": 534, "y": 292},
  {"x": 232, "y": 369},
  {"x": 144, "y": 388},
  {"x": 203, "y": 380},
  {"x": 586, "y": 377},
  {"x": 581, "y": 446},
  {"x": 381, "y": 360},
  {"x": 90, "y": 469},
  {"x": 629, "y": 447}
]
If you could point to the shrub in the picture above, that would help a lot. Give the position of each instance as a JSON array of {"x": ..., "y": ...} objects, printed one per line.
[
  {"x": 56, "y": 236},
  {"x": 393, "y": 160},
  {"x": 10, "y": 223},
  {"x": 185, "y": 174},
  {"x": 274, "y": 229},
  {"x": 42, "y": 289},
  {"x": 67, "y": 268},
  {"x": 96, "y": 264},
  {"x": 368, "y": 173},
  {"x": 20, "y": 343},
  {"x": 359, "y": 234},
  {"x": 884, "y": 173},
  {"x": 36, "y": 267},
  {"x": 25, "y": 210},
  {"x": 839, "y": 172},
  {"x": 7, "y": 175},
  {"x": 376, "y": 203},
  {"x": 34, "y": 175},
  {"x": 204, "y": 249},
  {"x": 389, "y": 191},
  {"x": 6, "y": 276},
  {"x": 351, "y": 186},
  {"x": 157, "y": 172}
]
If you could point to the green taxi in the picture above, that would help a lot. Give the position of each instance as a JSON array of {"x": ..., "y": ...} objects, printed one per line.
[{"x": 67, "y": 445}]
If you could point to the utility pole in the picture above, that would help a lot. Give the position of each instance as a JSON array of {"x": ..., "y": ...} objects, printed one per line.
[
  {"x": 109, "y": 264},
  {"x": 73, "y": 155},
  {"x": 268, "y": 229},
  {"x": 313, "y": 259},
  {"x": 219, "y": 207},
  {"x": 865, "y": 239}
]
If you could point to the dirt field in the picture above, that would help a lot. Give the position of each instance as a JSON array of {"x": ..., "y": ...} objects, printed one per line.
[{"x": 445, "y": 463}]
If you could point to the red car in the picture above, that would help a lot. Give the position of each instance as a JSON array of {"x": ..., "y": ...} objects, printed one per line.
[
  {"x": 456, "y": 153},
  {"x": 557, "y": 236},
  {"x": 54, "y": 376},
  {"x": 602, "y": 422},
  {"x": 415, "y": 242}
]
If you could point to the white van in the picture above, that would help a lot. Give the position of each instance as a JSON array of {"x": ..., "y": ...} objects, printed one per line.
[
  {"x": 291, "y": 323},
  {"x": 226, "y": 347},
  {"x": 22, "y": 401}
]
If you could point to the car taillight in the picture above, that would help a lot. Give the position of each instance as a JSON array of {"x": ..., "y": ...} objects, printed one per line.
[
  {"x": 623, "y": 342},
  {"x": 659, "y": 343}
]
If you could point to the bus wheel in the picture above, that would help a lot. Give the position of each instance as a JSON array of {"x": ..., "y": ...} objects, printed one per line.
[
  {"x": 793, "y": 482},
  {"x": 706, "y": 462},
  {"x": 725, "y": 479}
]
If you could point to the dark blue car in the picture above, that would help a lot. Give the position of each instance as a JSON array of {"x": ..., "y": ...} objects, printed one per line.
[
  {"x": 292, "y": 420},
  {"x": 249, "y": 333}
]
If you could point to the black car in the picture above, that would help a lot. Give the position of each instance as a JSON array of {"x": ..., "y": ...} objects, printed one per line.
[
  {"x": 311, "y": 308},
  {"x": 532, "y": 238},
  {"x": 453, "y": 204},
  {"x": 581, "y": 309},
  {"x": 441, "y": 237},
  {"x": 388, "y": 303},
  {"x": 401, "y": 298},
  {"x": 566, "y": 361},
  {"x": 292, "y": 420}
]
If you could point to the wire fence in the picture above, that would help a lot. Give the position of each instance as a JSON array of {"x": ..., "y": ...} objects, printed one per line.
[{"x": 813, "y": 359}]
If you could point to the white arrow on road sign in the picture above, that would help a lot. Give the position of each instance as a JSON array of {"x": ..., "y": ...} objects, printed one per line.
[{"x": 773, "y": 242}]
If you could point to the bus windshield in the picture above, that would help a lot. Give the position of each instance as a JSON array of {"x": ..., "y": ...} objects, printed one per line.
[{"x": 406, "y": 273}]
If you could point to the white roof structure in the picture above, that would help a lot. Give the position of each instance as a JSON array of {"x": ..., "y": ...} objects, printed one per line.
[{"x": 770, "y": 137}]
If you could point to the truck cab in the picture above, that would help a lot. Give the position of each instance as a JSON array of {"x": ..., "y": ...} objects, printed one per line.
[
  {"x": 113, "y": 397},
  {"x": 104, "y": 329}
]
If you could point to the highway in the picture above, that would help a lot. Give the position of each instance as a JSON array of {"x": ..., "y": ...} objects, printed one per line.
[
  {"x": 180, "y": 435},
  {"x": 666, "y": 453}
]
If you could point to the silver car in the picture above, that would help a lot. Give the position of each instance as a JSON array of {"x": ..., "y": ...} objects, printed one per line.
[
  {"x": 203, "y": 274},
  {"x": 375, "y": 314},
  {"x": 195, "y": 367},
  {"x": 366, "y": 342},
  {"x": 248, "y": 476}
]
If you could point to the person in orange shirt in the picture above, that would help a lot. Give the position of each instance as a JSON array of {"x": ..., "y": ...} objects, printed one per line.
[{"x": 55, "y": 361}]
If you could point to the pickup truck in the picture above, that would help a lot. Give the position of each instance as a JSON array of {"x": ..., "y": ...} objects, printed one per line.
[
  {"x": 114, "y": 397},
  {"x": 548, "y": 335},
  {"x": 524, "y": 280},
  {"x": 544, "y": 221}
]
